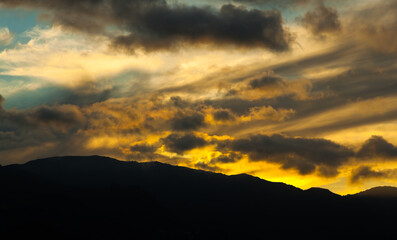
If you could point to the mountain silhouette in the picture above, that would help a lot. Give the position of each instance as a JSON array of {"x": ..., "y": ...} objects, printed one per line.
[
  {"x": 377, "y": 192},
  {"x": 97, "y": 197}
]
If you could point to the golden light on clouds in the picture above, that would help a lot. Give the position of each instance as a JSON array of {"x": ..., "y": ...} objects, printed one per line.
[{"x": 294, "y": 105}]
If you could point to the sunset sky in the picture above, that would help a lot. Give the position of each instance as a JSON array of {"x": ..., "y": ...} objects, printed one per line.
[{"x": 296, "y": 91}]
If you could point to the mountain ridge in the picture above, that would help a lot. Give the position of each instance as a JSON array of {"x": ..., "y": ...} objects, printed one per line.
[
  {"x": 98, "y": 157},
  {"x": 94, "y": 197}
]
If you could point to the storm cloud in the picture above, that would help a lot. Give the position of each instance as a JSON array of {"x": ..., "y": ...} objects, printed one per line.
[
  {"x": 377, "y": 147},
  {"x": 187, "y": 122},
  {"x": 303, "y": 154},
  {"x": 182, "y": 143},
  {"x": 223, "y": 115},
  {"x": 154, "y": 25}
]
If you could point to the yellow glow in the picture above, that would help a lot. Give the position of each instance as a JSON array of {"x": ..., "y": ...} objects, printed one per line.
[{"x": 103, "y": 142}]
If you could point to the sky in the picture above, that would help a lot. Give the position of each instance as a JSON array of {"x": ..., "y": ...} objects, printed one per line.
[{"x": 294, "y": 91}]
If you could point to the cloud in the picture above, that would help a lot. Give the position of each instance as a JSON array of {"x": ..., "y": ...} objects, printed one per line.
[
  {"x": 2, "y": 101},
  {"x": 322, "y": 20},
  {"x": 143, "y": 148},
  {"x": 377, "y": 147},
  {"x": 53, "y": 57},
  {"x": 236, "y": 105},
  {"x": 57, "y": 116},
  {"x": 83, "y": 94},
  {"x": 167, "y": 28},
  {"x": 143, "y": 151},
  {"x": 207, "y": 167},
  {"x": 365, "y": 172},
  {"x": 37, "y": 131},
  {"x": 63, "y": 115},
  {"x": 231, "y": 157},
  {"x": 375, "y": 24},
  {"x": 303, "y": 154},
  {"x": 177, "y": 101},
  {"x": 6, "y": 36},
  {"x": 266, "y": 81},
  {"x": 278, "y": 3},
  {"x": 269, "y": 85},
  {"x": 269, "y": 113},
  {"x": 155, "y": 25},
  {"x": 182, "y": 143},
  {"x": 223, "y": 115},
  {"x": 334, "y": 102},
  {"x": 188, "y": 122}
]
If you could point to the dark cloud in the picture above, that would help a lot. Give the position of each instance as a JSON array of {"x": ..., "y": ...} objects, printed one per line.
[
  {"x": 179, "y": 102},
  {"x": 64, "y": 115},
  {"x": 366, "y": 172},
  {"x": 276, "y": 3},
  {"x": 154, "y": 24},
  {"x": 165, "y": 28},
  {"x": 41, "y": 131},
  {"x": 227, "y": 158},
  {"x": 2, "y": 100},
  {"x": 236, "y": 105},
  {"x": 303, "y": 154},
  {"x": 188, "y": 122},
  {"x": 322, "y": 20},
  {"x": 181, "y": 143},
  {"x": 377, "y": 147},
  {"x": 207, "y": 167},
  {"x": 141, "y": 152},
  {"x": 223, "y": 115},
  {"x": 39, "y": 125},
  {"x": 266, "y": 82},
  {"x": 143, "y": 148},
  {"x": 56, "y": 116}
]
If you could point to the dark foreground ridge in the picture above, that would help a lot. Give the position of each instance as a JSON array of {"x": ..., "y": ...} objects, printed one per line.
[{"x": 102, "y": 198}]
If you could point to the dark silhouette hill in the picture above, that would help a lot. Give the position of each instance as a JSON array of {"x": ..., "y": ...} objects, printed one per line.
[
  {"x": 377, "y": 192},
  {"x": 102, "y": 198}
]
